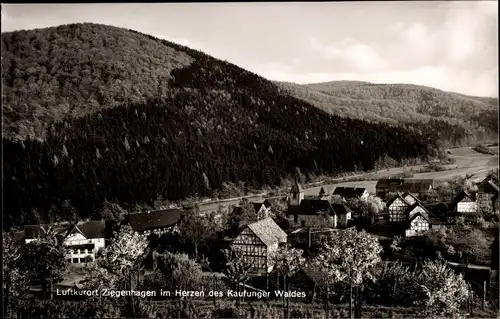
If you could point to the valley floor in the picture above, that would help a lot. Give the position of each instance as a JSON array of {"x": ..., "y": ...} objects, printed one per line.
[{"x": 468, "y": 161}]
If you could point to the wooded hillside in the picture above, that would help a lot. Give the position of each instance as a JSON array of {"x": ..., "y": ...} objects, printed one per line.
[
  {"x": 95, "y": 113},
  {"x": 467, "y": 119}
]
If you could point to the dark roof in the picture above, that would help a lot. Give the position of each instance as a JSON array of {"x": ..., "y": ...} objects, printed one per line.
[
  {"x": 488, "y": 186},
  {"x": 315, "y": 274},
  {"x": 35, "y": 231},
  {"x": 296, "y": 188},
  {"x": 89, "y": 229},
  {"x": 155, "y": 219},
  {"x": 257, "y": 206},
  {"x": 301, "y": 235},
  {"x": 314, "y": 206},
  {"x": 404, "y": 185},
  {"x": 349, "y": 192},
  {"x": 341, "y": 209},
  {"x": 463, "y": 195},
  {"x": 400, "y": 196},
  {"x": 268, "y": 231},
  {"x": 92, "y": 229},
  {"x": 19, "y": 236}
]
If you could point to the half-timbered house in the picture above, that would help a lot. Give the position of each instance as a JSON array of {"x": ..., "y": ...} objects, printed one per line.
[
  {"x": 487, "y": 195},
  {"x": 258, "y": 242},
  {"x": 397, "y": 207},
  {"x": 419, "y": 220},
  {"x": 464, "y": 203}
]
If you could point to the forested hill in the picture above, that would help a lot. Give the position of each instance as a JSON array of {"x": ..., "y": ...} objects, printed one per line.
[
  {"x": 467, "y": 119},
  {"x": 95, "y": 113}
]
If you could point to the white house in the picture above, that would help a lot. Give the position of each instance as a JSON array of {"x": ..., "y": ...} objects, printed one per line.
[
  {"x": 418, "y": 220},
  {"x": 82, "y": 240},
  {"x": 465, "y": 203}
]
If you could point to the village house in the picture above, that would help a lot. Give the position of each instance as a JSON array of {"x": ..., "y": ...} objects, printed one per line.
[
  {"x": 387, "y": 187},
  {"x": 155, "y": 221},
  {"x": 82, "y": 240},
  {"x": 487, "y": 195},
  {"x": 312, "y": 213},
  {"x": 464, "y": 203},
  {"x": 258, "y": 242},
  {"x": 308, "y": 279},
  {"x": 343, "y": 213},
  {"x": 351, "y": 192},
  {"x": 315, "y": 211},
  {"x": 419, "y": 220},
  {"x": 397, "y": 208},
  {"x": 261, "y": 209}
]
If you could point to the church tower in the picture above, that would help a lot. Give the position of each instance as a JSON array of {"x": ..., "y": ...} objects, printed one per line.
[{"x": 296, "y": 195}]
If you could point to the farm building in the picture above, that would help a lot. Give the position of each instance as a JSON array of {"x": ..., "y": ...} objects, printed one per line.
[
  {"x": 387, "y": 187},
  {"x": 419, "y": 220},
  {"x": 397, "y": 207},
  {"x": 464, "y": 203},
  {"x": 313, "y": 212},
  {"x": 351, "y": 192},
  {"x": 487, "y": 195},
  {"x": 155, "y": 221},
  {"x": 258, "y": 241}
]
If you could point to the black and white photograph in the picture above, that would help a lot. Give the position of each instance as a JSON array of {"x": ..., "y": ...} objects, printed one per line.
[{"x": 250, "y": 160}]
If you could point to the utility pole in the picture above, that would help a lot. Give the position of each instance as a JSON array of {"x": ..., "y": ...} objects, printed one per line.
[{"x": 484, "y": 294}]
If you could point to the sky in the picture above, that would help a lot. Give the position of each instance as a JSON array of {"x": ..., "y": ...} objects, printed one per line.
[{"x": 451, "y": 46}]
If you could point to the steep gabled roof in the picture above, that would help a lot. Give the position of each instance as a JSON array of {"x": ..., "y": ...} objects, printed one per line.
[
  {"x": 463, "y": 195},
  {"x": 88, "y": 229},
  {"x": 93, "y": 228},
  {"x": 315, "y": 206},
  {"x": 268, "y": 231},
  {"x": 341, "y": 209},
  {"x": 349, "y": 192},
  {"x": 400, "y": 196},
  {"x": 424, "y": 212},
  {"x": 155, "y": 219},
  {"x": 35, "y": 231},
  {"x": 257, "y": 206},
  {"x": 315, "y": 274}
]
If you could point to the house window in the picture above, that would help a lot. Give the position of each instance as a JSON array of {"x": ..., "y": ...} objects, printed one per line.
[
  {"x": 294, "y": 196},
  {"x": 302, "y": 223},
  {"x": 76, "y": 260}
]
